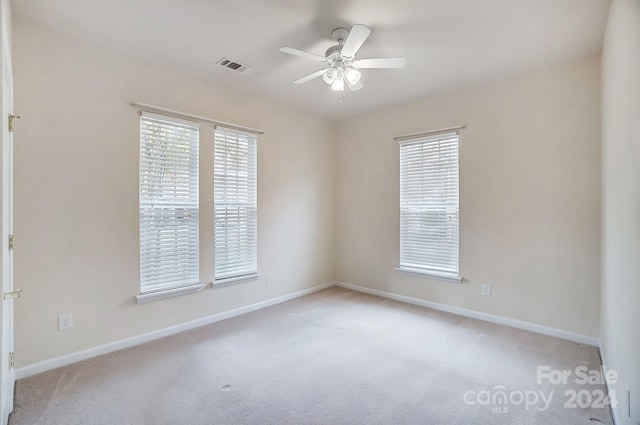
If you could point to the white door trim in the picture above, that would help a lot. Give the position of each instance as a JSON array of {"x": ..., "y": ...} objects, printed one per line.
[{"x": 7, "y": 373}]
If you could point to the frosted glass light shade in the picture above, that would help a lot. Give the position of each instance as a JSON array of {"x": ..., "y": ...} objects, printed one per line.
[
  {"x": 330, "y": 75},
  {"x": 338, "y": 85},
  {"x": 352, "y": 75}
]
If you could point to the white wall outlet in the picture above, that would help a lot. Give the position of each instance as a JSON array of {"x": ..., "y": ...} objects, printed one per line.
[
  {"x": 65, "y": 321},
  {"x": 267, "y": 279},
  {"x": 486, "y": 290}
]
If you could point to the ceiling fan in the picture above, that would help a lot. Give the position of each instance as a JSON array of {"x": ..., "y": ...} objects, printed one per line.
[{"x": 343, "y": 67}]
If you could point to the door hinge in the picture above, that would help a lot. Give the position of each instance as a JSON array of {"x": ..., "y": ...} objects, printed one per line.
[
  {"x": 12, "y": 360},
  {"x": 11, "y": 242},
  {"x": 11, "y": 119},
  {"x": 11, "y": 295}
]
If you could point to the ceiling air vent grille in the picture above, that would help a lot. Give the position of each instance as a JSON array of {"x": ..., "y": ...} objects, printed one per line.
[{"x": 233, "y": 65}]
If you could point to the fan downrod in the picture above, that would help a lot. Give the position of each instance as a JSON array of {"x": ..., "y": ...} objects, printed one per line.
[{"x": 340, "y": 35}]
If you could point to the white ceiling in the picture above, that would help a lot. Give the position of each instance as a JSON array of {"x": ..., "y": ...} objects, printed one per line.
[{"x": 448, "y": 43}]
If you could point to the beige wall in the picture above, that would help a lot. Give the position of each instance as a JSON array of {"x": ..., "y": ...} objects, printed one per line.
[
  {"x": 76, "y": 194},
  {"x": 620, "y": 335},
  {"x": 530, "y": 197}
]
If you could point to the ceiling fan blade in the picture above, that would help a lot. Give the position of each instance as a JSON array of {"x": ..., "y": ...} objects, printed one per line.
[
  {"x": 356, "y": 37},
  {"x": 354, "y": 87},
  {"x": 302, "y": 53},
  {"x": 309, "y": 77},
  {"x": 381, "y": 63}
]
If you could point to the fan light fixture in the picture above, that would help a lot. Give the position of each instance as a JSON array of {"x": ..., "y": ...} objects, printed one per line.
[
  {"x": 330, "y": 75},
  {"x": 335, "y": 77},
  {"x": 343, "y": 66},
  {"x": 352, "y": 75},
  {"x": 338, "y": 85}
]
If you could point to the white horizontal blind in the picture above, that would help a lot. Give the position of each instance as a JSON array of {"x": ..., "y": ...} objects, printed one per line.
[
  {"x": 429, "y": 216},
  {"x": 235, "y": 202},
  {"x": 168, "y": 202}
]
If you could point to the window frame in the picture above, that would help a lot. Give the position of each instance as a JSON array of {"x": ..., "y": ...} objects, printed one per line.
[
  {"x": 431, "y": 270},
  {"x": 191, "y": 280},
  {"x": 250, "y": 270}
]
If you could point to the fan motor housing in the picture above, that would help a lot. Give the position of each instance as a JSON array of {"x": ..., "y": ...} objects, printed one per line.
[{"x": 333, "y": 52}]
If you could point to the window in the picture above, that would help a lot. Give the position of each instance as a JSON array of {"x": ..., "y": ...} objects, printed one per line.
[
  {"x": 429, "y": 215},
  {"x": 168, "y": 203},
  {"x": 235, "y": 203}
]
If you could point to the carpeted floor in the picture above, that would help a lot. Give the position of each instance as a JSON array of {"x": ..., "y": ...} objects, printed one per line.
[{"x": 333, "y": 357}]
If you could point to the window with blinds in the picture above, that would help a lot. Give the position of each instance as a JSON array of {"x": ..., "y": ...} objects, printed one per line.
[
  {"x": 429, "y": 213},
  {"x": 235, "y": 203},
  {"x": 168, "y": 203}
]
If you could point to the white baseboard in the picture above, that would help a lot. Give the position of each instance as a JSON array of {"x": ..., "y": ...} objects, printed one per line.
[
  {"x": 77, "y": 356},
  {"x": 67, "y": 359},
  {"x": 545, "y": 330},
  {"x": 614, "y": 411}
]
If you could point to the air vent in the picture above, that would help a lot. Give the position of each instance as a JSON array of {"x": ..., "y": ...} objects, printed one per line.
[{"x": 233, "y": 65}]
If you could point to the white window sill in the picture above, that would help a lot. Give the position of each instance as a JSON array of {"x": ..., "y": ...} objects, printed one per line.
[
  {"x": 168, "y": 293},
  {"x": 236, "y": 279},
  {"x": 446, "y": 277}
]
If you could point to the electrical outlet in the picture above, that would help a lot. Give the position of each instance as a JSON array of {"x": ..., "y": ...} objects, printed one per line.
[
  {"x": 267, "y": 279},
  {"x": 486, "y": 290},
  {"x": 65, "y": 321}
]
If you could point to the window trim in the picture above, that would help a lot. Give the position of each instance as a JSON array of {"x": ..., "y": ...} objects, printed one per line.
[
  {"x": 425, "y": 271},
  {"x": 247, "y": 274},
  {"x": 169, "y": 292},
  {"x": 225, "y": 281},
  {"x": 172, "y": 288},
  {"x": 430, "y": 274}
]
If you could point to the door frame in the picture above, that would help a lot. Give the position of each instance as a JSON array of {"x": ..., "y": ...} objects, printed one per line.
[{"x": 7, "y": 373}]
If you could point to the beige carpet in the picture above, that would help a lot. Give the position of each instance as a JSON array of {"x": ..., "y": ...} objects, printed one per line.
[{"x": 334, "y": 357}]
